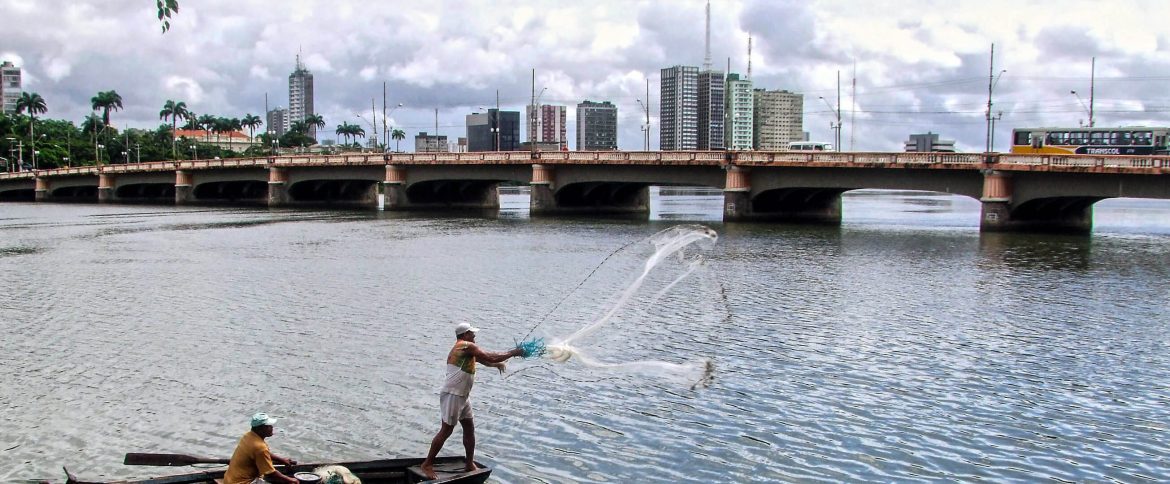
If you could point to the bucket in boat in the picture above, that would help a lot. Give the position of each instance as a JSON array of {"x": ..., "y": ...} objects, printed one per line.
[{"x": 307, "y": 478}]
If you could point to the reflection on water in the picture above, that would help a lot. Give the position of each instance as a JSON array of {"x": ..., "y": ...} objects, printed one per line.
[{"x": 903, "y": 345}]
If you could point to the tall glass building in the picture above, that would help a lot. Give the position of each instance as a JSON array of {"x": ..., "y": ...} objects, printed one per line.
[{"x": 596, "y": 126}]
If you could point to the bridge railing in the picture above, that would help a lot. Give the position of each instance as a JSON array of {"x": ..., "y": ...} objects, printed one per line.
[{"x": 702, "y": 158}]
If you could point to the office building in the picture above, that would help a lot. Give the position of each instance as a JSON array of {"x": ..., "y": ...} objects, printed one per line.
[
  {"x": 678, "y": 111},
  {"x": 712, "y": 88},
  {"x": 929, "y": 142},
  {"x": 739, "y": 112},
  {"x": 596, "y": 126},
  {"x": 493, "y": 131},
  {"x": 430, "y": 143},
  {"x": 779, "y": 120},
  {"x": 9, "y": 87},
  {"x": 546, "y": 124},
  {"x": 300, "y": 95},
  {"x": 277, "y": 122}
]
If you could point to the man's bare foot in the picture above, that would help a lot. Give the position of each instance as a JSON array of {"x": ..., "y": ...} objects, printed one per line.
[
  {"x": 470, "y": 467},
  {"x": 428, "y": 470}
]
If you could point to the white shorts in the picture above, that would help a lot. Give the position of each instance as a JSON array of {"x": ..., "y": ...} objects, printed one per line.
[{"x": 453, "y": 408}]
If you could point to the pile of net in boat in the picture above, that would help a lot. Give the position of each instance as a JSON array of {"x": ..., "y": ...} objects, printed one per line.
[{"x": 335, "y": 474}]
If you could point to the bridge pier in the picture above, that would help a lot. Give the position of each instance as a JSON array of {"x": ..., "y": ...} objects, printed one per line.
[
  {"x": 394, "y": 188},
  {"x": 277, "y": 186},
  {"x": 737, "y": 194},
  {"x": 1000, "y": 214},
  {"x": 41, "y": 193},
  {"x": 105, "y": 189},
  {"x": 543, "y": 201},
  {"x": 184, "y": 183}
]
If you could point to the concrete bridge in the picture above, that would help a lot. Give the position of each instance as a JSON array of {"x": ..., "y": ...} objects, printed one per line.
[{"x": 1018, "y": 192}]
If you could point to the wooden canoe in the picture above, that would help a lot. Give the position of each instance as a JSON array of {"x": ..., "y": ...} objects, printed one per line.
[{"x": 385, "y": 471}]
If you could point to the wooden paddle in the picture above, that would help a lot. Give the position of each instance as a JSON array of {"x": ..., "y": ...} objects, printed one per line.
[{"x": 137, "y": 459}]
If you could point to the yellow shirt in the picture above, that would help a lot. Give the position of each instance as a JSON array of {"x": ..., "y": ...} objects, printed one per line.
[{"x": 250, "y": 460}]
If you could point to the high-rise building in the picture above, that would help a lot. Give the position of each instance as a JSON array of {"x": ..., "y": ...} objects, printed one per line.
[
  {"x": 9, "y": 87},
  {"x": 493, "y": 131},
  {"x": 928, "y": 142},
  {"x": 779, "y": 119},
  {"x": 300, "y": 95},
  {"x": 430, "y": 143},
  {"x": 596, "y": 126},
  {"x": 278, "y": 122},
  {"x": 711, "y": 110},
  {"x": 739, "y": 113},
  {"x": 678, "y": 111},
  {"x": 546, "y": 124}
]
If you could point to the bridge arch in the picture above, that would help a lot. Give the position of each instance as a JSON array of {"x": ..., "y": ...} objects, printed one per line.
[
  {"x": 231, "y": 191},
  {"x": 18, "y": 195},
  {"x": 333, "y": 192},
  {"x": 146, "y": 192}
]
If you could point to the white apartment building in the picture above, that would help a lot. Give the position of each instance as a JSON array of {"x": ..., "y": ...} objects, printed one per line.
[{"x": 740, "y": 110}]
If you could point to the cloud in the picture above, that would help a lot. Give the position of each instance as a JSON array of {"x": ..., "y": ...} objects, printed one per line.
[{"x": 920, "y": 65}]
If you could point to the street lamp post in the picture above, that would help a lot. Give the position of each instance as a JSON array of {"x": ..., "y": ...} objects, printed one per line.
[
  {"x": 194, "y": 152},
  {"x": 19, "y": 152},
  {"x": 836, "y": 127},
  {"x": 385, "y": 129},
  {"x": 998, "y": 116},
  {"x": 99, "y": 154},
  {"x": 1087, "y": 109},
  {"x": 645, "y": 127}
]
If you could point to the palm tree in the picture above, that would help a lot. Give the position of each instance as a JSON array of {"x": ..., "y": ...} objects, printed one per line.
[
  {"x": 397, "y": 135},
  {"x": 93, "y": 125},
  {"x": 251, "y": 121},
  {"x": 298, "y": 127},
  {"x": 34, "y": 104},
  {"x": 174, "y": 111},
  {"x": 192, "y": 123},
  {"x": 206, "y": 122},
  {"x": 107, "y": 101},
  {"x": 357, "y": 132},
  {"x": 343, "y": 130},
  {"x": 314, "y": 121}
]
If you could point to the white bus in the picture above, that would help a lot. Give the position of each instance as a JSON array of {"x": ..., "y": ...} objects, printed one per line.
[{"x": 809, "y": 146}]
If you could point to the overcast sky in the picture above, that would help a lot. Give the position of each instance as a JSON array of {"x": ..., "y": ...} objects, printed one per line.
[{"x": 919, "y": 66}]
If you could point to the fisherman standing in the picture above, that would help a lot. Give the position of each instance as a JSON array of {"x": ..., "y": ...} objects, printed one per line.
[{"x": 454, "y": 396}]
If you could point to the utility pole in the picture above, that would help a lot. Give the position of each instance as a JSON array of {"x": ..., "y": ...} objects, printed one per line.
[
  {"x": 498, "y": 124},
  {"x": 374, "y": 114},
  {"x": 532, "y": 115},
  {"x": 838, "y": 145},
  {"x": 648, "y": 113},
  {"x": 385, "y": 127},
  {"x": 1092, "y": 85},
  {"x": 990, "y": 81}
]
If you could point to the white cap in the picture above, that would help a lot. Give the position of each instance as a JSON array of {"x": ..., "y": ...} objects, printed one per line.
[
  {"x": 262, "y": 419},
  {"x": 465, "y": 327}
]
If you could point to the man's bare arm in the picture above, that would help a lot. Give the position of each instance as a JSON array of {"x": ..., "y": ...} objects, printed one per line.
[{"x": 487, "y": 357}]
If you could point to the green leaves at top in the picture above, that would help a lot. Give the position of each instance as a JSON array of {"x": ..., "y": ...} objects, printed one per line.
[{"x": 166, "y": 8}]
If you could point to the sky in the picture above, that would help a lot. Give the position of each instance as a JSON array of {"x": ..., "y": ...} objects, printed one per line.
[{"x": 904, "y": 66}]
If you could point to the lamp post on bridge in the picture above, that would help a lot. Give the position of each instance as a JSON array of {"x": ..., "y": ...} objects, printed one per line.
[
  {"x": 836, "y": 127},
  {"x": 1088, "y": 109},
  {"x": 19, "y": 152}
]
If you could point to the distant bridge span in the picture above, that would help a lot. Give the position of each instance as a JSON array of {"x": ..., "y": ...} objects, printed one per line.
[{"x": 1018, "y": 192}]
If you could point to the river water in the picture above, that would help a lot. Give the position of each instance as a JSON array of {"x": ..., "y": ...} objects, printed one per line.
[{"x": 901, "y": 346}]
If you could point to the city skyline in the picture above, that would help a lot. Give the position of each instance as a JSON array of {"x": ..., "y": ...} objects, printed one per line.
[{"x": 917, "y": 69}]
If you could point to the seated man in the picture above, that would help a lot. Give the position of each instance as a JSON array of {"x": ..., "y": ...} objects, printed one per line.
[{"x": 252, "y": 459}]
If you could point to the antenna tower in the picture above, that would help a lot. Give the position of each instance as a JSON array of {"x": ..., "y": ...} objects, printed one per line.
[
  {"x": 707, "y": 55},
  {"x": 749, "y": 72}
]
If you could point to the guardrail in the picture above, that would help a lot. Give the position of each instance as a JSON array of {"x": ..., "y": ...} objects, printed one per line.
[{"x": 702, "y": 158}]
